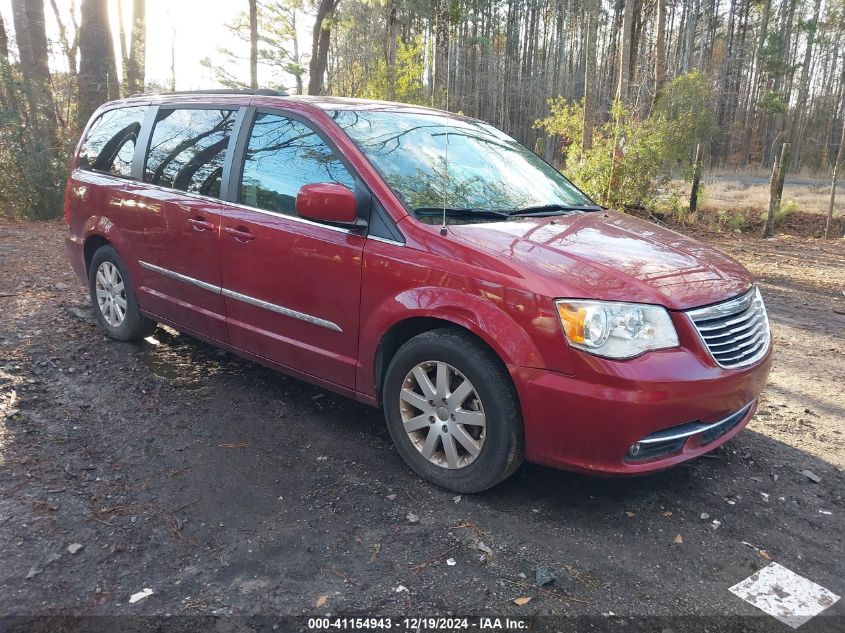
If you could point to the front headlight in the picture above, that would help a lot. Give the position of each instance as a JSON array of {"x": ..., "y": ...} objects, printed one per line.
[{"x": 616, "y": 330}]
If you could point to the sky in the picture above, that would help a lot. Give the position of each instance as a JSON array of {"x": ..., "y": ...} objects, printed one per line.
[{"x": 199, "y": 27}]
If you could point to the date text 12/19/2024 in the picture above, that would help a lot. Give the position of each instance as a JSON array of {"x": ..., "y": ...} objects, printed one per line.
[{"x": 481, "y": 623}]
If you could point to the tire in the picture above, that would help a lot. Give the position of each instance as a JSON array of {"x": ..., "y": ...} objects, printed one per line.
[
  {"x": 492, "y": 399},
  {"x": 118, "y": 314}
]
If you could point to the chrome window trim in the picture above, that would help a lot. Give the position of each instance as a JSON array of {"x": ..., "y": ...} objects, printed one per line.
[
  {"x": 120, "y": 179},
  {"x": 231, "y": 294},
  {"x": 225, "y": 203},
  {"x": 386, "y": 240},
  {"x": 295, "y": 218},
  {"x": 190, "y": 194}
]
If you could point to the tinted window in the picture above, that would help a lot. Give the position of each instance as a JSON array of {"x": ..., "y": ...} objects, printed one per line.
[
  {"x": 282, "y": 155},
  {"x": 110, "y": 143},
  {"x": 188, "y": 148}
]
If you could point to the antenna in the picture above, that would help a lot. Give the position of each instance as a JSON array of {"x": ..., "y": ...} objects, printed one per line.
[{"x": 443, "y": 230}]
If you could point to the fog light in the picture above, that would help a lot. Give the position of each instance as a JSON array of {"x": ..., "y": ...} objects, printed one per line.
[{"x": 634, "y": 450}]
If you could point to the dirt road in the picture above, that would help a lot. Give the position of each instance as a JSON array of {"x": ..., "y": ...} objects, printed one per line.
[{"x": 229, "y": 489}]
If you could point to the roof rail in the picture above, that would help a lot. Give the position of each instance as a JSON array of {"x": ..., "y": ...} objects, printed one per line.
[{"x": 266, "y": 92}]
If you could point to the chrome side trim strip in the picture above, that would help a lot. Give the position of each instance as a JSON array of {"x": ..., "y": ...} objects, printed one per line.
[
  {"x": 282, "y": 310},
  {"x": 188, "y": 280},
  {"x": 231, "y": 294},
  {"x": 657, "y": 438}
]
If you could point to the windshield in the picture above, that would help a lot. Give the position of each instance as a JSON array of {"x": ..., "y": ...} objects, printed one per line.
[{"x": 487, "y": 171}]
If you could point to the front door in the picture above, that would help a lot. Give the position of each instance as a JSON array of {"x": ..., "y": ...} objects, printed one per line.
[
  {"x": 291, "y": 286},
  {"x": 178, "y": 211}
]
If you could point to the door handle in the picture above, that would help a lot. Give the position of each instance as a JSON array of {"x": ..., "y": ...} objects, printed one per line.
[
  {"x": 200, "y": 224},
  {"x": 240, "y": 233}
]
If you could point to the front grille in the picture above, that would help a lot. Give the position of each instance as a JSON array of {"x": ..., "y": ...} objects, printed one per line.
[{"x": 736, "y": 332}]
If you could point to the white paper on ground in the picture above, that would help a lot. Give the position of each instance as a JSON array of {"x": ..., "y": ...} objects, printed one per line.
[
  {"x": 785, "y": 595},
  {"x": 135, "y": 597}
]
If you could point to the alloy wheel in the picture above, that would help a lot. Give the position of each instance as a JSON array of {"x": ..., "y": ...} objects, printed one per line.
[
  {"x": 111, "y": 294},
  {"x": 442, "y": 414}
]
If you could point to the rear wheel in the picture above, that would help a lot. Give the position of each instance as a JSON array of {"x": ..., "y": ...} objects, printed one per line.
[
  {"x": 113, "y": 297},
  {"x": 452, "y": 411}
]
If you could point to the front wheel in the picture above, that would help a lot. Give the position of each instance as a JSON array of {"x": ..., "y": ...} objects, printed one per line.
[
  {"x": 452, "y": 411},
  {"x": 115, "y": 304}
]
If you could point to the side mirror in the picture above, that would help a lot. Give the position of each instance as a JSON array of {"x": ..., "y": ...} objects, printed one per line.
[{"x": 327, "y": 202}]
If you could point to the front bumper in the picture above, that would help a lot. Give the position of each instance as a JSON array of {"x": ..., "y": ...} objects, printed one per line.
[{"x": 589, "y": 421}]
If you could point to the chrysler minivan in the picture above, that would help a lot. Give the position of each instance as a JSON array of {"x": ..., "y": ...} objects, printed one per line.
[{"x": 421, "y": 262}]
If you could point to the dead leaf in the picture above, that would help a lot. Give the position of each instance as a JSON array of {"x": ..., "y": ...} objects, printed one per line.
[
  {"x": 630, "y": 514},
  {"x": 667, "y": 513},
  {"x": 763, "y": 554},
  {"x": 521, "y": 601},
  {"x": 320, "y": 601},
  {"x": 679, "y": 539}
]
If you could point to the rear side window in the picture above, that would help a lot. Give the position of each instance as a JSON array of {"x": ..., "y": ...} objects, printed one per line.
[
  {"x": 284, "y": 154},
  {"x": 188, "y": 148},
  {"x": 110, "y": 143}
]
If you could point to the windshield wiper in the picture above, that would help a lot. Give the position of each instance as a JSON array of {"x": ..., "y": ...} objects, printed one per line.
[
  {"x": 434, "y": 212},
  {"x": 554, "y": 209}
]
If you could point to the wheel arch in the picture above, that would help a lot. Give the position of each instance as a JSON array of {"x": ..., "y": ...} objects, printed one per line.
[
  {"x": 90, "y": 246},
  {"x": 492, "y": 327}
]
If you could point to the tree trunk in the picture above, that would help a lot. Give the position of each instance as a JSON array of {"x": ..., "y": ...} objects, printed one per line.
[
  {"x": 70, "y": 49},
  {"x": 253, "y": 44},
  {"x": 8, "y": 97},
  {"x": 321, "y": 37},
  {"x": 113, "y": 79},
  {"x": 94, "y": 44},
  {"x": 801, "y": 103},
  {"x": 776, "y": 189},
  {"x": 173, "y": 61},
  {"x": 296, "y": 57},
  {"x": 840, "y": 155},
  {"x": 709, "y": 18},
  {"x": 4, "y": 42},
  {"x": 689, "y": 36},
  {"x": 696, "y": 180},
  {"x": 390, "y": 48},
  {"x": 31, "y": 36},
  {"x": 622, "y": 90},
  {"x": 751, "y": 112},
  {"x": 121, "y": 36},
  {"x": 590, "y": 76},
  {"x": 660, "y": 52},
  {"x": 137, "y": 48},
  {"x": 441, "y": 51}
]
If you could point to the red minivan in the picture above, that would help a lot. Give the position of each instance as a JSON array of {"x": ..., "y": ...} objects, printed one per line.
[{"x": 421, "y": 262}]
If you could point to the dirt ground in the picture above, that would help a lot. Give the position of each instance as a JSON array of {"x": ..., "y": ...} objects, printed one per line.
[{"x": 229, "y": 489}]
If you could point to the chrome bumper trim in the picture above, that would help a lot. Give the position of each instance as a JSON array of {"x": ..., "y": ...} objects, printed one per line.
[{"x": 693, "y": 428}]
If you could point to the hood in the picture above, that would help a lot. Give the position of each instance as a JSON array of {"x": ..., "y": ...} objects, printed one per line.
[{"x": 615, "y": 257}]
